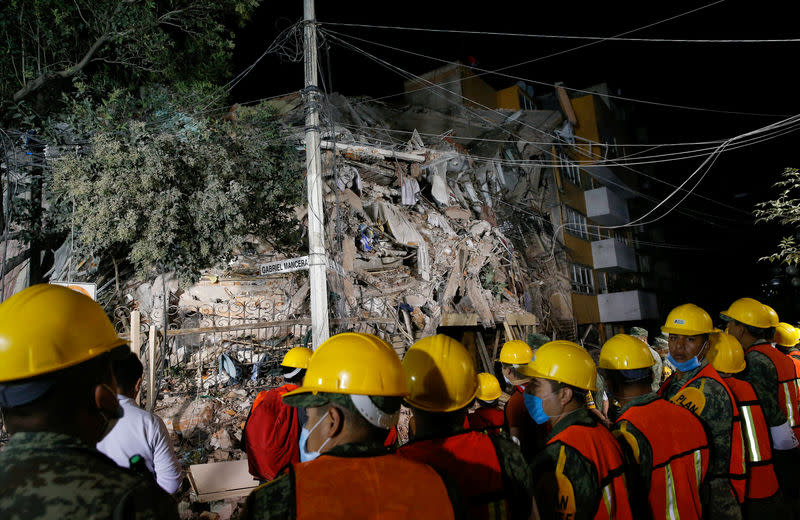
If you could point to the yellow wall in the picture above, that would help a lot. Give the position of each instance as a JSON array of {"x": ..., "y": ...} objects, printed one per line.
[
  {"x": 584, "y": 107},
  {"x": 572, "y": 195},
  {"x": 585, "y": 309},
  {"x": 508, "y": 98},
  {"x": 475, "y": 89},
  {"x": 579, "y": 250}
]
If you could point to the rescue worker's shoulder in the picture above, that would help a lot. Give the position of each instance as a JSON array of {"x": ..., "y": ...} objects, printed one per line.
[{"x": 274, "y": 500}]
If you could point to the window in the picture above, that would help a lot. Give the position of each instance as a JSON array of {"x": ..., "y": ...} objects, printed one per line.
[
  {"x": 575, "y": 223},
  {"x": 582, "y": 280},
  {"x": 569, "y": 169},
  {"x": 525, "y": 102}
]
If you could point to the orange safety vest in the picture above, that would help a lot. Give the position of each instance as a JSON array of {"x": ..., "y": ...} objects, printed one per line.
[
  {"x": 486, "y": 418},
  {"x": 680, "y": 462},
  {"x": 470, "y": 459},
  {"x": 386, "y": 486},
  {"x": 737, "y": 470},
  {"x": 787, "y": 383},
  {"x": 596, "y": 444},
  {"x": 270, "y": 433},
  {"x": 762, "y": 482}
]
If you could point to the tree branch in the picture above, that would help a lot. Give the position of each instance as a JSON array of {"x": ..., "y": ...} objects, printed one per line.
[{"x": 43, "y": 79}]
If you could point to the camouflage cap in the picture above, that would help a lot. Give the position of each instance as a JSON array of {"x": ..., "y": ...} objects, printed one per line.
[
  {"x": 639, "y": 332},
  {"x": 537, "y": 340},
  {"x": 660, "y": 343},
  {"x": 388, "y": 405}
]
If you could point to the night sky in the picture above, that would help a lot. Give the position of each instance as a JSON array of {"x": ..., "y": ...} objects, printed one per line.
[{"x": 719, "y": 263}]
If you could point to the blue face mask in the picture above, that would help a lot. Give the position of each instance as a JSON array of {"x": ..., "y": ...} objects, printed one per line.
[
  {"x": 686, "y": 366},
  {"x": 306, "y": 456},
  {"x": 534, "y": 406}
]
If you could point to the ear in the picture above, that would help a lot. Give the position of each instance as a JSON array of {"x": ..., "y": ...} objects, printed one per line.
[
  {"x": 105, "y": 399},
  {"x": 565, "y": 395},
  {"x": 137, "y": 386},
  {"x": 335, "y": 421}
]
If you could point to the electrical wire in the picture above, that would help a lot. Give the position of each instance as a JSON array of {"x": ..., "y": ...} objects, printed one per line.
[{"x": 543, "y": 83}]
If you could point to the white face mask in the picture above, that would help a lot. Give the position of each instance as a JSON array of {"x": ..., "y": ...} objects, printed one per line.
[{"x": 306, "y": 456}]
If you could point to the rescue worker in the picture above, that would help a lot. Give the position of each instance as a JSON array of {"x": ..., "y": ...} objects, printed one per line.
[
  {"x": 58, "y": 399},
  {"x": 695, "y": 385},
  {"x": 658, "y": 365},
  {"x": 772, "y": 375},
  {"x": 666, "y": 445},
  {"x": 488, "y": 417},
  {"x": 762, "y": 495},
  {"x": 661, "y": 345},
  {"x": 785, "y": 340},
  {"x": 489, "y": 470},
  {"x": 352, "y": 394},
  {"x": 580, "y": 472},
  {"x": 272, "y": 428},
  {"x": 520, "y": 427}
]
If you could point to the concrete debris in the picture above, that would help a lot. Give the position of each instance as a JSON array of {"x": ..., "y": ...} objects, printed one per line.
[{"x": 190, "y": 415}]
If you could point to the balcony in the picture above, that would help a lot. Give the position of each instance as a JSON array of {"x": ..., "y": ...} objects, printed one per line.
[
  {"x": 606, "y": 207},
  {"x": 612, "y": 255},
  {"x": 627, "y": 306}
]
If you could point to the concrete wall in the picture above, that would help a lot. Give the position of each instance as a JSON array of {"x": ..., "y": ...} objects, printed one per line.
[
  {"x": 627, "y": 306},
  {"x": 606, "y": 207},
  {"x": 613, "y": 255}
]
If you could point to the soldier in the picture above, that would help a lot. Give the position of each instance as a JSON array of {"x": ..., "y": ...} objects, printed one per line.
[
  {"x": 488, "y": 416},
  {"x": 763, "y": 496},
  {"x": 696, "y": 386},
  {"x": 272, "y": 428},
  {"x": 489, "y": 470},
  {"x": 658, "y": 365},
  {"x": 58, "y": 399},
  {"x": 772, "y": 375},
  {"x": 580, "y": 473},
  {"x": 667, "y": 445},
  {"x": 352, "y": 394}
]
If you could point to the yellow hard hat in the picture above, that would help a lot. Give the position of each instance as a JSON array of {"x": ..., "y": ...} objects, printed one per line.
[
  {"x": 297, "y": 357},
  {"x": 688, "y": 320},
  {"x": 786, "y": 335},
  {"x": 47, "y": 328},
  {"x": 773, "y": 316},
  {"x": 624, "y": 352},
  {"x": 515, "y": 352},
  {"x": 488, "y": 387},
  {"x": 750, "y": 312},
  {"x": 725, "y": 353},
  {"x": 440, "y": 374},
  {"x": 354, "y": 363},
  {"x": 563, "y": 361}
]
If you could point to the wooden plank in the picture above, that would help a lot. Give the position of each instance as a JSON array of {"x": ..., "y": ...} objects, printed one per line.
[
  {"x": 218, "y": 480},
  {"x": 136, "y": 334},
  {"x": 487, "y": 365},
  {"x": 151, "y": 369},
  {"x": 459, "y": 320},
  {"x": 522, "y": 319},
  {"x": 509, "y": 332}
]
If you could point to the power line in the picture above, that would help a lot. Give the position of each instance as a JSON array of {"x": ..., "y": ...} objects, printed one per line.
[
  {"x": 553, "y": 85},
  {"x": 565, "y": 36}
]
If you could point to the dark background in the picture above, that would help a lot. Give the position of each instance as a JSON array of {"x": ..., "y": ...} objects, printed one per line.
[{"x": 718, "y": 261}]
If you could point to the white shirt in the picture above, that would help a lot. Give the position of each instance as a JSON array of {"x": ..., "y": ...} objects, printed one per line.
[{"x": 140, "y": 432}]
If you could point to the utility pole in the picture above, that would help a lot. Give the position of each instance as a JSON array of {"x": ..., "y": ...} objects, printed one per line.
[{"x": 318, "y": 259}]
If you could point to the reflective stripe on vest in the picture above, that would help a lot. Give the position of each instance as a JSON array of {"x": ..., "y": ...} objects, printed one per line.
[
  {"x": 736, "y": 467},
  {"x": 788, "y": 397},
  {"x": 470, "y": 459},
  {"x": 334, "y": 488},
  {"x": 680, "y": 457},
  {"x": 597, "y": 445},
  {"x": 762, "y": 482}
]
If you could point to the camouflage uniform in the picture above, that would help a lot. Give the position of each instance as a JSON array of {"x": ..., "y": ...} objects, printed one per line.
[
  {"x": 52, "y": 475},
  {"x": 763, "y": 376},
  {"x": 276, "y": 500},
  {"x": 717, "y": 415},
  {"x": 578, "y": 470}
]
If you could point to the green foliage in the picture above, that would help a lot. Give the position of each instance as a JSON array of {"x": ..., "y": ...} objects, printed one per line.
[
  {"x": 174, "y": 191},
  {"x": 785, "y": 210},
  {"x": 112, "y": 43}
]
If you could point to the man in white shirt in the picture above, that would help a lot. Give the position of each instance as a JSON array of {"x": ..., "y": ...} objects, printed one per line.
[{"x": 140, "y": 432}]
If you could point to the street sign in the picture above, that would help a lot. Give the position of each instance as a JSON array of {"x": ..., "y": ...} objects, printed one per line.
[
  {"x": 284, "y": 266},
  {"x": 89, "y": 289}
]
